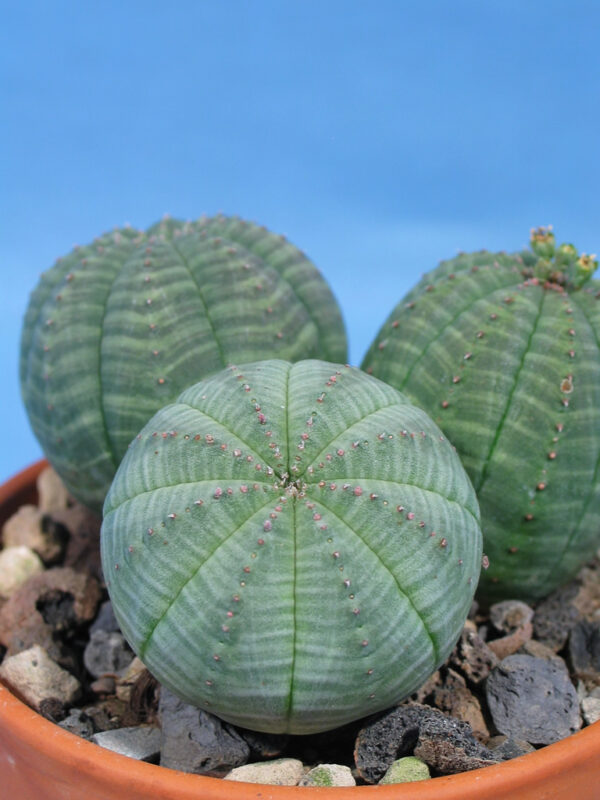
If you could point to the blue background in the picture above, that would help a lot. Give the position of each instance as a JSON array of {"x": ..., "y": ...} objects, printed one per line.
[{"x": 380, "y": 137}]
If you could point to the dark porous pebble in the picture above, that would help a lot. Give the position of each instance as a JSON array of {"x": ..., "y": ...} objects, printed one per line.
[
  {"x": 505, "y": 748},
  {"x": 584, "y": 648},
  {"x": 79, "y": 723},
  {"x": 264, "y": 745},
  {"x": 445, "y": 744},
  {"x": 140, "y": 742},
  {"x": 53, "y": 708},
  {"x": 195, "y": 741},
  {"x": 532, "y": 699},
  {"x": 555, "y": 616},
  {"x": 472, "y": 657},
  {"x": 510, "y": 615},
  {"x": 107, "y": 652}
]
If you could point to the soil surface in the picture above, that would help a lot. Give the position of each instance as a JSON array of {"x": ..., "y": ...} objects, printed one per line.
[{"x": 519, "y": 678}]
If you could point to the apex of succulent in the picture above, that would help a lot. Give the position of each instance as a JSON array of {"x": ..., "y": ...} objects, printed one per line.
[
  {"x": 120, "y": 327},
  {"x": 503, "y": 351},
  {"x": 562, "y": 266},
  {"x": 291, "y": 546}
]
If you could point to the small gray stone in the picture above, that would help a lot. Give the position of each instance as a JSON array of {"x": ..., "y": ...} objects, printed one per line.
[
  {"x": 510, "y": 615},
  {"x": 506, "y": 748},
  {"x": 34, "y": 676},
  {"x": 141, "y": 743},
  {"x": 195, "y": 741},
  {"x": 105, "y": 619},
  {"x": 555, "y": 616},
  {"x": 79, "y": 723},
  {"x": 445, "y": 744},
  {"x": 328, "y": 775},
  {"x": 107, "y": 652},
  {"x": 590, "y": 708},
  {"x": 532, "y": 699},
  {"x": 584, "y": 648},
  {"x": 281, "y": 772}
]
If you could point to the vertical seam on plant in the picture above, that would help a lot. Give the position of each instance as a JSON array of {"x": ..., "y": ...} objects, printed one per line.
[
  {"x": 290, "y": 702},
  {"x": 389, "y": 571},
  {"x": 111, "y": 451},
  {"x": 449, "y": 324},
  {"x": 144, "y": 644},
  {"x": 298, "y": 259},
  {"x": 346, "y": 430},
  {"x": 594, "y": 483},
  {"x": 183, "y": 260},
  {"x": 233, "y": 432},
  {"x": 500, "y": 426},
  {"x": 287, "y": 421}
]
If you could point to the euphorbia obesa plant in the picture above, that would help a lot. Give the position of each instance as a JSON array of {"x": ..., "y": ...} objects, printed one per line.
[
  {"x": 503, "y": 350},
  {"x": 291, "y": 546},
  {"x": 120, "y": 327}
]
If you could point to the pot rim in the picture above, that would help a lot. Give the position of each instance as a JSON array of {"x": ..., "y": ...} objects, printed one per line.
[{"x": 560, "y": 764}]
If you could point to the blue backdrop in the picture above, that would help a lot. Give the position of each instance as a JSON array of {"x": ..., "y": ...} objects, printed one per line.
[{"x": 380, "y": 137}]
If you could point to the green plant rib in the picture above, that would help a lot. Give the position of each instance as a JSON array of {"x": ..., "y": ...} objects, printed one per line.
[
  {"x": 500, "y": 426},
  {"x": 503, "y": 350},
  {"x": 235, "y": 546},
  {"x": 120, "y": 327},
  {"x": 401, "y": 589}
]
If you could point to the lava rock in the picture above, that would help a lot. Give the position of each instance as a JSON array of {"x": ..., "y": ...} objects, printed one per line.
[
  {"x": 29, "y": 527},
  {"x": 17, "y": 565},
  {"x": 107, "y": 653},
  {"x": 35, "y": 677},
  {"x": 52, "y": 493},
  {"x": 445, "y": 744},
  {"x": 328, "y": 775},
  {"x": 539, "y": 650},
  {"x": 532, "y": 699},
  {"x": 454, "y": 698},
  {"x": 506, "y": 748},
  {"x": 83, "y": 547},
  {"x": 472, "y": 657},
  {"x": 507, "y": 645},
  {"x": 264, "y": 745},
  {"x": 141, "y": 742},
  {"x": 510, "y": 615},
  {"x": 78, "y": 723},
  {"x": 194, "y": 741},
  {"x": 281, "y": 772},
  {"x": 584, "y": 648},
  {"x": 555, "y": 616},
  {"x": 22, "y": 609}
]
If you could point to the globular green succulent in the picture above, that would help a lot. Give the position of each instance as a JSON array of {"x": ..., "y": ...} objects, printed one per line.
[
  {"x": 503, "y": 351},
  {"x": 291, "y": 546},
  {"x": 120, "y": 327}
]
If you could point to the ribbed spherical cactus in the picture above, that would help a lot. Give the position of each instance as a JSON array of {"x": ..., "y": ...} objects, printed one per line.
[
  {"x": 291, "y": 546},
  {"x": 503, "y": 351},
  {"x": 118, "y": 328}
]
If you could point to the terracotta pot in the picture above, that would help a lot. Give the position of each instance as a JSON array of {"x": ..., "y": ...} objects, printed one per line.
[{"x": 40, "y": 761}]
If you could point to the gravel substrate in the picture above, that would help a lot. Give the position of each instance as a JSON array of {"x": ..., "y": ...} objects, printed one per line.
[{"x": 518, "y": 679}]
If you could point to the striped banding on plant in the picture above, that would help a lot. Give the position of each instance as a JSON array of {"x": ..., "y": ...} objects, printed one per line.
[
  {"x": 120, "y": 327},
  {"x": 291, "y": 546},
  {"x": 503, "y": 350}
]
